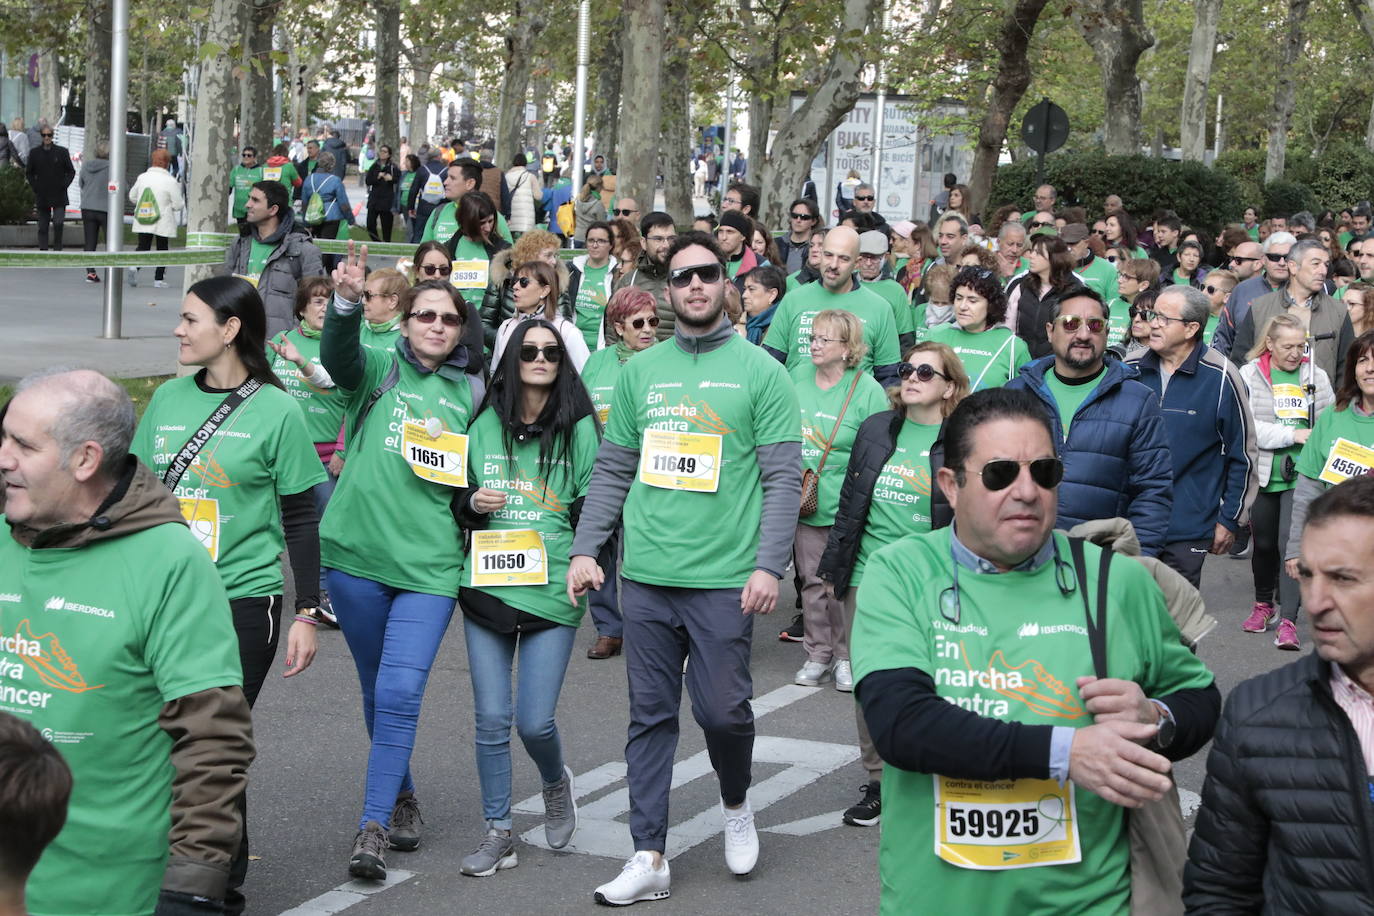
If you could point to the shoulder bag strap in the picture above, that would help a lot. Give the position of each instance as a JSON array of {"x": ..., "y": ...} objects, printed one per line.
[
  {"x": 1097, "y": 628},
  {"x": 829, "y": 443},
  {"x": 182, "y": 462},
  {"x": 392, "y": 377}
]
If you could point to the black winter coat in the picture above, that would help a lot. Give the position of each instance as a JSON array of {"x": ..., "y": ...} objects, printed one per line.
[
  {"x": 381, "y": 195},
  {"x": 50, "y": 173},
  {"x": 874, "y": 443},
  {"x": 1287, "y": 817}
]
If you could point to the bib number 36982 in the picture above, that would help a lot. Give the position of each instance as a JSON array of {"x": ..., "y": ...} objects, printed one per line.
[
  {"x": 1018, "y": 823},
  {"x": 435, "y": 455},
  {"x": 680, "y": 461}
]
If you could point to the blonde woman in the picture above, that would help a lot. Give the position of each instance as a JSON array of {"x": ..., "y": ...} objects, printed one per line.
[{"x": 536, "y": 290}]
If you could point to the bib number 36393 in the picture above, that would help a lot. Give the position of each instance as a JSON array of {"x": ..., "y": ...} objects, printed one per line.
[
  {"x": 509, "y": 557},
  {"x": 1017, "y": 823},
  {"x": 435, "y": 455},
  {"x": 680, "y": 461}
]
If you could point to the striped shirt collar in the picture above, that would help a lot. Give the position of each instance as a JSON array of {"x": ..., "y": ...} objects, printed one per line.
[{"x": 1359, "y": 708}]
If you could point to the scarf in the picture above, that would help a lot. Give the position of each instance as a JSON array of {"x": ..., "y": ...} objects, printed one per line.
[
  {"x": 307, "y": 331},
  {"x": 757, "y": 325},
  {"x": 382, "y": 327}
]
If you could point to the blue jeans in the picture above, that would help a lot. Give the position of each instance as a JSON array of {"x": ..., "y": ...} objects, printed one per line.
[
  {"x": 543, "y": 661},
  {"x": 393, "y": 636}
]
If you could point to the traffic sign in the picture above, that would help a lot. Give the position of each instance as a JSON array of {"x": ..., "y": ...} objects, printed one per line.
[{"x": 1045, "y": 127}]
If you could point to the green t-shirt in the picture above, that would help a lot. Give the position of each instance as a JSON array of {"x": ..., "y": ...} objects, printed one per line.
[
  {"x": 1352, "y": 432},
  {"x": 443, "y": 224},
  {"x": 1014, "y": 655},
  {"x": 1118, "y": 321},
  {"x": 533, "y": 501},
  {"x": 407, "y": 179},
  {"x": 736, "y": 392},
  {"x": 94, "y": 642},
  {"x": 323, "y": 408},
  {"x": 902, "y": 495},
  {"x": 591, "y": 303},
  {"x": 991, "y": 358},
  {"x": 380, "y": 502},
  {"x": 242, "y": 181},
  {"x": 600, "y": 375},
  {"x": 258, "y": 253},
  {"x": 1070, "y": 397},
  {"x": 790, "y": 331},
  {"x": 472, "y": 291},
  {"x": 1211, "y": 328},
  {"x": 284, "y": 174},
  {"x": 1099, "y": 274},
  {"x": 230, "y": 492},
  {"x": 1290, "y": 409},
  {"x": 896, "y": 297},
  {"x": 819, "y": 412}
]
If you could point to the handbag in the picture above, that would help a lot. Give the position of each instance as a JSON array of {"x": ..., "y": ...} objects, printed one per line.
[
  {"x": 811, "y": 480},
  {"x": 1158, "y": 838}
]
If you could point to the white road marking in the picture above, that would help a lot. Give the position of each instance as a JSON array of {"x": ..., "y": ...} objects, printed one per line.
[
  {"x": 347, "y": 895},
  {"x": 808, "y": 825}
]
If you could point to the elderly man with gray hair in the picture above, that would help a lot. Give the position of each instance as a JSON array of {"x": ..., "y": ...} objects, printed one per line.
[{"x": 1208, "y": 426}]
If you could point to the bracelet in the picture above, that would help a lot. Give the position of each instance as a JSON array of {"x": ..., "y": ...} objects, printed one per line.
[{"x": 306, "y": 618}]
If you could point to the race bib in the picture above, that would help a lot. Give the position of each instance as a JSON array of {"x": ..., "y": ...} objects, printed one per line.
[
  {"x": 202, "y": 515},
  {"x": 251, "y": 278},
  {"x": 1289, "y": 402},
  {"x": 603, "y": 414},
  {"x": 680, "y": 461},
  {"x": 470, "y": 274},
  {"x": 271, "y": 173},
  {"x": 1019, "y": 823},
  {"x": 1347, "y": 459},
  {"x": 435, "y": 455},
  {"x": 514, "y": 557}
]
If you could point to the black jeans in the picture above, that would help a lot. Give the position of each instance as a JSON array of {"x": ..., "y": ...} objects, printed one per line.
[
  {"x": 92, "y": 221},
  {"x": 327, "y": 231},
  {"x": 1186, "y": 558},
  {"x": 388, "y": 220},
  {"x": 1269, "y": 520},
  {"x": 55, "y": 214},
  {"x": 145, "y": 243}
]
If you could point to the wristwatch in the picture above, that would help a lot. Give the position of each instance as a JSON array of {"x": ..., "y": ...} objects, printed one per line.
[{"x": 1167, "y": 728}]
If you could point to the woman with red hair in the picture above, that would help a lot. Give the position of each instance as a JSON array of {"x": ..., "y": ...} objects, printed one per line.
[{"x": 158, "y": 205}]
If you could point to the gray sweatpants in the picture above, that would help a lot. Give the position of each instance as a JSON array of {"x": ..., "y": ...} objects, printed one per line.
[{"x": 664, "y": 626}]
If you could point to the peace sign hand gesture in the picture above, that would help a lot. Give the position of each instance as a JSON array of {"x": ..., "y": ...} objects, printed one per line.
[{"x": 350, "y": 273}]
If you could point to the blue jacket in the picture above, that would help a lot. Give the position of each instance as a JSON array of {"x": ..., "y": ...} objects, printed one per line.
[
  {"x": 1116, "y": 458},
  {"x": 1211, "y": 440},
  {"x": 332, "y": 194}
]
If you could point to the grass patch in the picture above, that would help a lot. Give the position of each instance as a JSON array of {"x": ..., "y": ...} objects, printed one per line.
[{"x": 140, "y": 390}]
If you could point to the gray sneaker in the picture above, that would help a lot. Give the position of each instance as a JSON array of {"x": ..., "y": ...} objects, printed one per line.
[
  {"x": 405, "y": 823},
  {"x": 495, "y": 852},
  {"x": 369, "y": 853},
  {"x": 560, "y": 811}
]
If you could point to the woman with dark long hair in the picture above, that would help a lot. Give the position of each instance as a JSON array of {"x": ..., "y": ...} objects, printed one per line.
[
  {"x": 234, "y": 448},
  {"x": 1121, "y": 231},
  {"x": 531, "y": 448},
  {"x": 474, "y": 245},
  {"x": 382, "y": 179},
  {"x": 1031, "y": 297}
]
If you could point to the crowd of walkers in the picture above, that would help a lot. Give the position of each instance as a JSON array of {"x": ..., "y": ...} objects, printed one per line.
[{"x": 937, "y": 434}]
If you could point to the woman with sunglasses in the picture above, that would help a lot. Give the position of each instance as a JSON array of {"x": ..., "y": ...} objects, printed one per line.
[
  {"x": 803, "y": 219},
  {"x": 991, "y": 354},
  {"x": 536, "y": 290},
  {"x": 433, "y": 262},
  {"x": 408, "y": 410},
  {"x": 1130, "y": 315},
  {"x": 1287, "y": 393},
  {"x": 1217, "y": 286},
  {"x": 888, "y": 493},
  {"x": 499, "y": 302},
  {"x": 835, "y": 398},
  {"x": 532, "y": 447},
  {"x": 1031, "y": 297}
]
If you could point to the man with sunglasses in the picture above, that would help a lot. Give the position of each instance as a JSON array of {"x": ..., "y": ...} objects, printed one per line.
[
  {"x": 976, "y": 671},
  {"x": 704, "y": 432},
  {"x": 866, "y": 201},
  {"x": 626, "y": 208},
  {"x": 1275, "y": 274},
  {"x": 1208, "y": 426},
  {"x": 1109, "y": 432},
  {"x": 242, "y": 177},
  {"x": 50, "y": 173},
  {"x": 803, "y": 219}
]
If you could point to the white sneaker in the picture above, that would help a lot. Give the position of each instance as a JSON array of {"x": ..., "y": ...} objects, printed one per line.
[
  {"x": 741, "y": 839},
  {"x": 132, "y": 274},
  {"x": 813, "y": 674},
  {"x": 844, "y": 677},
  {"x": 159, "y": 284},
  {"x": 638, "y": 880}
]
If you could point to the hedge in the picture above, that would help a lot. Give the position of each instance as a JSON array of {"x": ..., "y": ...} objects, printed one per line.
[
  {"x": 1342, "y": 177},
  {"x": 16, "y": 197}
]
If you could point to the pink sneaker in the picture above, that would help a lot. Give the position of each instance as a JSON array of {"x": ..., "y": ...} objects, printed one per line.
[
  {"x": 1286, "y": 637},
  {"x": 1261, "y": 615}
]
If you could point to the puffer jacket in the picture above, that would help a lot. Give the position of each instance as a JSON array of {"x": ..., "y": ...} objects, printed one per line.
[
  {"x": 525, "y": 191},
  {"x": 652, "y": 277},
  {"x": 293, "y": 257},
  {"x": 1270, "y": 435},
  {"x": 1287, "y": 823},
  {"x": 167, "y": 192},
  {"x": 874, "y": 443},
  {"x": 1116, "y": 457}
]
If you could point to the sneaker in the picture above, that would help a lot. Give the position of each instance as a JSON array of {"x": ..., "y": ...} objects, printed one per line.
[
  {"x": 812, "y": 674},
  {"x": 1286, "y": 637},
  {"x": 741, "y": 839},
  {"x": 869, "y": 809},
  {"x": 1261, "y": 615},
  {"x": 794, "y": 632},
  {"x": 1240, "y": 550},
  {"x": 405, "y": 823},
  {"x": 159, "y": 284},
  {"x": 325, "y": 613},
  {"x": 132, "y": 274},
  {"x": 92, "y": 277},
  {"x": 495, "y": 852},
  {"x": 560, "y": 811},
  {"x": 844, "y": 677},
  {"x": 637, "y": 881},
  {"x": 369, "y": 853}
]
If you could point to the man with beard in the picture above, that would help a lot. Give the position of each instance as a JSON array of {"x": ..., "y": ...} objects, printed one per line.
[
  {"x": 704, "y": 430},
  {"x": 1109, "y": 431},
  {"x": 650, "y": 272}
]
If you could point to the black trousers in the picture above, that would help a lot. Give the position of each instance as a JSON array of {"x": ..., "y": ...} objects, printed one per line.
[
  {"x": 145, "y": 243},
  {"x": 328, "y": 231},
  {"x": 388, "y": 220},
  {"x": 54, "y": 214},
  {"x": 1269, "y": 519},
  {"x": 1186, "y": 558},
  {"x": 92, "y": 221}
]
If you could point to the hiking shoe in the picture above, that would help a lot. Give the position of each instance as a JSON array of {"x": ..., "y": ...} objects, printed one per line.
[
  {"x": 869, "y": 809},
  {"x": 638, "y": 880},
  {"x": 369, "y": 853},
  {"x": 844, "y": 676},
  {"x": 812, "y": 674},
  {"x": 1286, "y": 637},
  {"x": 405, "y": 823},
  {"x": 495, "y": 852},
  {"x": 560, "y": 811},
  {"x": 1261, "y": 615},
  {"x": 741, "y": 839},
  {"x": 794, "y": 632}
]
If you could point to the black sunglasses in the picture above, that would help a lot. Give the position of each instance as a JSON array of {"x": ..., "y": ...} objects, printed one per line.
[
  {"x": 863, "y": 197},
  {"x": 442, "y": 270},
  {"x": 1209, "y": 289},
  {"x": 1239, "y": 259},
  {"x": 427, "y": 316},
  {"x": 523, "y": 282},
  {"x": 1137, "y": 313},
  {"x": 1002, "y": 472},
  {"x": 624, "y": 212},
  {"x": 49, "y": 135},
  {"x": 707, "y": 273},
  {"x": 806, "y": 216},
  {"x": 638, "y": 323},
  {"x": 529, "y": 353},
  {"x": 924, "y": 372},
  {"x": 1276, "y": 258}
]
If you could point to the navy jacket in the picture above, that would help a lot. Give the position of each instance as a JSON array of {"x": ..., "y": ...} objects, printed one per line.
[
  {"x": 1116, "y": 457},
  {"x": 1211, "y": 438}
]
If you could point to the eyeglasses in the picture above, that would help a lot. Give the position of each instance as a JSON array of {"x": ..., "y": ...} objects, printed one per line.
[
  {"x": 805, "y": 216},
  {"x": 638, "y": 324},
  {"x": 924, "y": 372},
  {"x": 868, "y": 256},
  {"x": 976, "y": 273},
  {"x": 863, "y": 197},
  {"x": 598, "y": 241},
  {"x": 661, "y": 239},
  {"x": 1041, "y": 224},
  {"x": 706, "y": 273},
  {"x": 1001, "y": 473},
  {"x": 442, "y": 270},
  {"x": 731, "y": 200},
  {"x": 529, "y": 353},
  {"x": 427, "y": 316},
  {"x": 1152, "y": 316},
  {"x": 523, "y": 282},
  {"x": 1100, "y": 232},
  {"x": 817, "y": 339},
  {"x": 624, "y": 212},
  {"x": 1071, "y": 323},
  {"x": 368, "y": 297},
  {"x": 1276, "y": 258}
]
